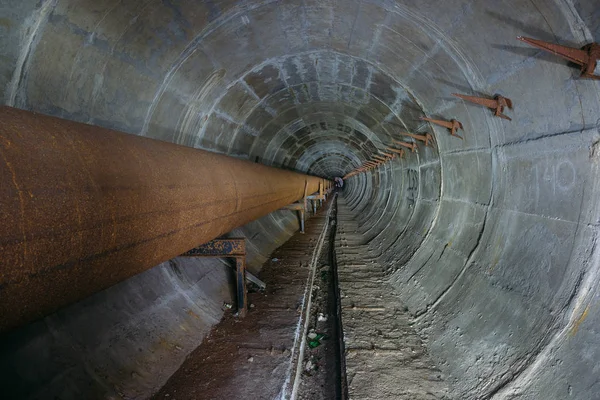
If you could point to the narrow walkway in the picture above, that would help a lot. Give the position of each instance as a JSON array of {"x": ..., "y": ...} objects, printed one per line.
[
  {"x": 385, "y": 357},
  {"x": 255, "y": 357}
]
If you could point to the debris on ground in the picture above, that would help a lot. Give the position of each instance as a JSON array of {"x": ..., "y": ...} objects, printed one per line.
[
  {"x": 275, "y": 259},
  {"x": 250, "y": 359},
  {"x": 316, "y": 340},
  {"x": 322, "y": 317},
  {"x": 309, "y": 366},
  {"x": 320, "y": 382},
  {"x": 324, "y": 276},
  {"x": 229, "y": 306}
]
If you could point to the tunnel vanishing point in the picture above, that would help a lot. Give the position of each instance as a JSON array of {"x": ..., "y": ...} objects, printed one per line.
[{"x": 467, "y": 134}]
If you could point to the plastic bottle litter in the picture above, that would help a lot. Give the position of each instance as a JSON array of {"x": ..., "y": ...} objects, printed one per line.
[{"x": 316, "y": 342}]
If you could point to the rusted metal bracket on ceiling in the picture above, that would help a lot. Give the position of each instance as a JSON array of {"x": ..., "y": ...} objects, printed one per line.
[
  {"x": 426, "y": 138},
  {"x": 400, "y": 152},
  {"x": 369, "y": 165},
  {"x": 498, "y": 103},
  {"x": 587, "y": 57},
  {"x": 453, "y": 125},
  {"x": 383, "y": 157},
  {"x": 378, "y": 160},
  {"x": 411, "y": 146},
  {"x": 375, "y": 161},
  {"x": 231, "y": 248}
]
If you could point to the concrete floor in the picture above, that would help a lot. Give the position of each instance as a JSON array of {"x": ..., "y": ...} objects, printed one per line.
[
  {"x": 386, "y": 358},
  {"x": 489, "y": 243}
]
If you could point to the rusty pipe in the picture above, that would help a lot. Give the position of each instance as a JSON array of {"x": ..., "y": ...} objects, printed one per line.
[{"x": 83, "y": 208}]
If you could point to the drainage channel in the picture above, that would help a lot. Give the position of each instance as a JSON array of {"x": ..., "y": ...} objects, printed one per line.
[
  {"x": 256, "y": 357},
  {"x": 322, "y": 365},
  {"x": 290, "y": 344},
  {"x": 335, "y": 304}
]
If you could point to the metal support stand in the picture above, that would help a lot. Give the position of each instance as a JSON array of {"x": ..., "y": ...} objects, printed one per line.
[
  {"x": 234, "y": 248},
  {"x": 301, "y": 207},
  {"x": 320, "y": 196},
  {"x": 301, "y": 213}
]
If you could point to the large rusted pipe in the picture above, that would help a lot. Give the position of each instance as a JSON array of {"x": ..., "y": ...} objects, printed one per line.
[{"x": 83, "y": 208}]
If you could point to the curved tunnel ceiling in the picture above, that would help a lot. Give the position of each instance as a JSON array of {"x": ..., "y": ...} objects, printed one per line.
[{"x": 490, "y": 240}]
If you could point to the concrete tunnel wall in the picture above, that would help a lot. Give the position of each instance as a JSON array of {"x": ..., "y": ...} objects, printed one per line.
[{"x": 490, "y": 241}]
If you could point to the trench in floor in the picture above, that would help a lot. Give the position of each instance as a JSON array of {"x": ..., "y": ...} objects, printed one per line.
[{"x": 328, "y": 326}]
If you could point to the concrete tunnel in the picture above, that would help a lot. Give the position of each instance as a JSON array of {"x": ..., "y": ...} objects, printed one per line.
[{"x": 489, "y": 243}]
